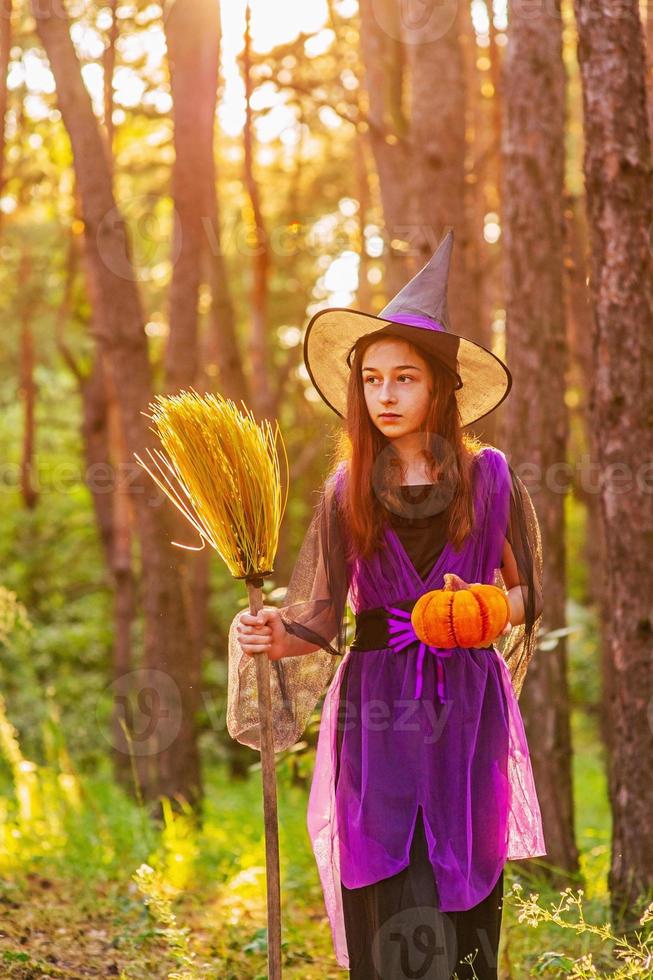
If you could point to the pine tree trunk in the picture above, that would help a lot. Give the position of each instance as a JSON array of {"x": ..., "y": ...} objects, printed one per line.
[
  {"x": 163, "y": 736},
  {"x": 620, "y": 208},
  {"x": 535, "y": 416},
  {"x": 192, "y": 31},
  {"x": 383, "y": 58},
  {"x": 438, "y": 87},
  {"x": 264, "y": 403},
  {"x": 6, "y": 7}
]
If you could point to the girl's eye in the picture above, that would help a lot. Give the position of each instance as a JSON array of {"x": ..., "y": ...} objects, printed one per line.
[{"x": 399, "y": 376}]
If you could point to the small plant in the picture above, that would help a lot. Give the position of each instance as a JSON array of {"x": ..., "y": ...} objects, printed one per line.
[
  {"x": 635, "y": 956},
  {"x": 157, "y": 894},
  {"x": 13, "y": 616},
  {"x": 469, "y": 961}
]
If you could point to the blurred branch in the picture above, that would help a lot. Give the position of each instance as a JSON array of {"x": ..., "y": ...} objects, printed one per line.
[
  {"x": 63, "y": 312},
  {"x": 356, "y": 119}
]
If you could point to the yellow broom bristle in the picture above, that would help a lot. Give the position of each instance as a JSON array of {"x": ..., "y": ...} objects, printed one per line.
[{"x": 221, "y": 468}]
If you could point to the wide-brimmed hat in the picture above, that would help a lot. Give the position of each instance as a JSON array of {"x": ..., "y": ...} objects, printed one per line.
[{"x": 419, "y": 314}]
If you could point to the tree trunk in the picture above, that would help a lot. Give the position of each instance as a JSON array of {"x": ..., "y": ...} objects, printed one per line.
[
  {"x": 364, "y": 290},
  {"x": 28, "y": 489},
  {"x": 649, "y": 65},
  {"x": 104, "y": 442},
  {"x": 438, "y": 87},
  {"x": 108, "y": 65},
  {"x": 536, "y": 416},
  {"x": 106, "y": 479},
  {"x": 5, "y": 52},
  {"x": 193, "y": 38},
  {"x": 221, "y": 360},
  {"x": 163, "y": 737},
  {"x": 620, "y": 209},
  {"x": 383, "y": 58},
  {"x": 262, "y": 394}
]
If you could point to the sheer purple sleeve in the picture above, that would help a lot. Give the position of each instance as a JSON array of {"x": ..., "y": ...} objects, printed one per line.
[
  {"x": 523, "y": 535},
  {"x": 315, "y": 604},
  {"x": 314, "y": 608}
]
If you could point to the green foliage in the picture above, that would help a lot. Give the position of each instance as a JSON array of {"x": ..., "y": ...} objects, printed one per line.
[
  {"x": 584, "y": 656},
  {"x": 575, "y": 535},
  {"x": 52, "y": 561}
]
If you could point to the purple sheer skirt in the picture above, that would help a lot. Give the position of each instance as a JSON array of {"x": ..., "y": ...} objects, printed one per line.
[
  {"x": 394, "y": 927},
  {"x": 466, "y": 763}
]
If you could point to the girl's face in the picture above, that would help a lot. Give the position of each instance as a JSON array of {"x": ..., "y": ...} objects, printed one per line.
[{"x": 397, "y": 386}]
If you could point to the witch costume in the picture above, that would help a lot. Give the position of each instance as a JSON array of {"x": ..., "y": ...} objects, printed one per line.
[{"x": 423, "y": 786}]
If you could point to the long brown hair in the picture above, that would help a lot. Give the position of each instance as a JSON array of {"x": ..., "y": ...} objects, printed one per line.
[{"x": 360, "y": 443}]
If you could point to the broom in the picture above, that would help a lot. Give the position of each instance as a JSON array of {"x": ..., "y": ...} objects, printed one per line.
[{"x": 221, "y": 470}]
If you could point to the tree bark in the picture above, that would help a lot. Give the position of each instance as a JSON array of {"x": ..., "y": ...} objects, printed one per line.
[
  {"x": 28, "y": 488},
  {"x": 438, "y": 88},
  {"x": 649, "y": 65},
  {"x": 221, "y": 361},
  {"x": 105, "y": 477},
  {"x": 163, "y": 730},
  {"x": 535, "y": 416},
  {"x": 262, "y": 394},
  {"x": 193, "y": 37},
  {"x": 105, "y": 457},
  {"x": 5, "y": 53},
  {"x": 388, "y": 131},
  {"x": 364, "y": 290},
  {"x": 617, "y": 168},
  {"x": 108, "y": 64}
]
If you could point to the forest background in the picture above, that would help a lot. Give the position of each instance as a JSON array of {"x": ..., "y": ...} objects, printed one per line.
[{"x": 181, "y": 188}]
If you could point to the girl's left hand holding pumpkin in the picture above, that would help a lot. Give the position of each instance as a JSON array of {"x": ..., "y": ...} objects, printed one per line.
[{"x": 454, "y": 583}]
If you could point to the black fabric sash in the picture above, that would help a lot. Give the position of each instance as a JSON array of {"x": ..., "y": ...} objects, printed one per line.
[
  {"x": 372, "y": 627},
  {"x": 371, "y": 631}
]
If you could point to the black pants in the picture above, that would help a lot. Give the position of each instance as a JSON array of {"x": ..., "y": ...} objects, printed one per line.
[{"x": 395, "y": 930}]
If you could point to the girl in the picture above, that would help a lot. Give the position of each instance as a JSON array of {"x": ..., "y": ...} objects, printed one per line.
[{"x": 423, "y": 786}]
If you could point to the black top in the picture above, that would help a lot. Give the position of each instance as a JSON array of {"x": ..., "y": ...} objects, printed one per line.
[
  {"x": 423, "y": 538},
  {"x": 423, "y": 546}
]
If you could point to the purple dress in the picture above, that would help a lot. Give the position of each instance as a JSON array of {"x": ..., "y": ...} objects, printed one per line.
[
  {"x": 394, "y": 926},
  {"x": 410, "y": 729},
  {"x": 466, "y": 762}
]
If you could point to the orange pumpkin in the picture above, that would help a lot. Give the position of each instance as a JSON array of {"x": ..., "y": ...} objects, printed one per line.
[{"x": 470, "y": 617}]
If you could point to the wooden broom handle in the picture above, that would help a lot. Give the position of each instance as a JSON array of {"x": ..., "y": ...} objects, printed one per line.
[{"x": 270, "y": 821}]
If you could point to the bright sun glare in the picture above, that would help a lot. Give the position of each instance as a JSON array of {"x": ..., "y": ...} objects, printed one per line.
[{"x": 271, "y": 24}]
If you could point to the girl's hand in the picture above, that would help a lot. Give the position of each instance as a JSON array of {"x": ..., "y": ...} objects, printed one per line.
[
  {"x": 454, "y": 582},
  {"x": 262, "y": 633},
  {"x": 506, "y": 629}
]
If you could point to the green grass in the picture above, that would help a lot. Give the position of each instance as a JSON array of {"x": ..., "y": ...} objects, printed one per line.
[
  {"x": 76, "y": 899},
  {"x": 90, "y": 886}
]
